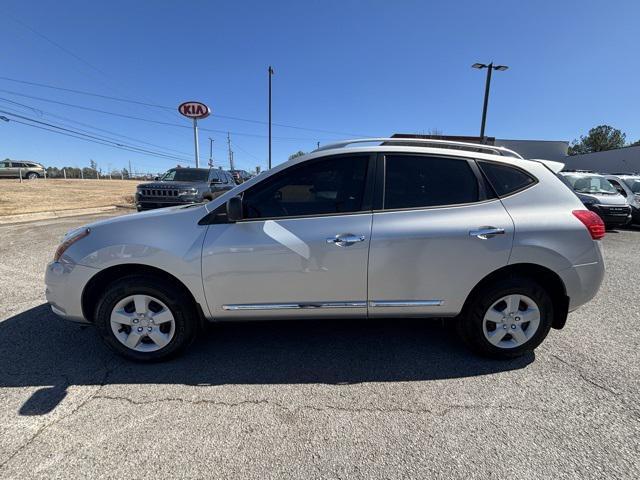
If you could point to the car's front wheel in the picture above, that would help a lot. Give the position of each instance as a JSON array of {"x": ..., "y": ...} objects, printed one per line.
[
  {"x": 32, "y": 176},
  {"x": 145, "y": 318},
  {"x": 507, "y": 319}
]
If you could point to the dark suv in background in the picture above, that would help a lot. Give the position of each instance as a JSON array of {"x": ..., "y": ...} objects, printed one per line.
[{"x": 181, "y": 186}]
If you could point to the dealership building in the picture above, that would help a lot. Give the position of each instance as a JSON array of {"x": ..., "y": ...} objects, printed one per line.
[{"x": 620, "y": 160}]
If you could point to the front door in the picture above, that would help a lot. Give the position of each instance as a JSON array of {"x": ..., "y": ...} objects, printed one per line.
[
  {"x": 301, "y": 250},
  {"x": 438, "y": 233}
]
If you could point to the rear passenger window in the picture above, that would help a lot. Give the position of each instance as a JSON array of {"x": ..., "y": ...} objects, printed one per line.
[
  {"x": 505, "y": 179},
  {"x": 421, "y": 181}
]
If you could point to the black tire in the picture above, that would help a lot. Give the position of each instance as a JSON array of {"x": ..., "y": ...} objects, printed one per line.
[
  {"x": 207, "y": 197},
  {"x": 173, "y": 296},
  {"x": 32, "y": 176},
  {"x": 470, "y": 322}
]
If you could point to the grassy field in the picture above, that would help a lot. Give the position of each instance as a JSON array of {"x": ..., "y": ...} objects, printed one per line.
[{"x": 41, "y": 195}]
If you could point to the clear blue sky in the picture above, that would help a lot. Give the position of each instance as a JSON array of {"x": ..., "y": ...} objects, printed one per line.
[{"x": 365, "y": 68}]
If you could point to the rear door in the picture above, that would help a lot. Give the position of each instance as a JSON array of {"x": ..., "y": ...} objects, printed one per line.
[{"x": 437, "y": 231}]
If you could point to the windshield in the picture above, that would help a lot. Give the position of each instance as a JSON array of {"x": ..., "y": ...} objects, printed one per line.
[
  {"x": 591, "y": 184},
  {"x": 633, "y": 184},
  {"x": 186, "y": 175}
]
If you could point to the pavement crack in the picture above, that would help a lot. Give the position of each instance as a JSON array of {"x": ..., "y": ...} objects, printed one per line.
[
  {"x": 319, "y": 408},
  {"x": 584, "y": 377}
]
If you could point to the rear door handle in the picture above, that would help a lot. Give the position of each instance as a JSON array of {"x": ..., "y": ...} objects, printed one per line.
[
  {"x": 485, "y": 233},
  {"x": 346, "y": 239}
]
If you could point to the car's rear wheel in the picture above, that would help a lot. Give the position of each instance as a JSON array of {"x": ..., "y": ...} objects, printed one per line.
[
  {"x": 507, "y": 319},
  {"x": 145, "y": 318},
  {"x": 32, "y": 175}
]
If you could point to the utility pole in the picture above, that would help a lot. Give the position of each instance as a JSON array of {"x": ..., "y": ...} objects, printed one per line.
[
  {"x": 230, "y": 151},
  {"x": 318, "y": 147},
  {"x": 211, "y": 152},
  {"x": 270, "y": 75}
]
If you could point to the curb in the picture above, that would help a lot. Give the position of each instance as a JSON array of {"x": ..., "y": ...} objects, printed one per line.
[{"x": 74, "y": 212}]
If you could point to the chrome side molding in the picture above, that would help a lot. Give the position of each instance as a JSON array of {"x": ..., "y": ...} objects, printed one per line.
[
  {"x": 406, "y": 303},
  {"x": 293, "y": 306}
]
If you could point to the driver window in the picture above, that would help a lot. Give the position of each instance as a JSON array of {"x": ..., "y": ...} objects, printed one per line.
[{"x": 330, "y": 185}]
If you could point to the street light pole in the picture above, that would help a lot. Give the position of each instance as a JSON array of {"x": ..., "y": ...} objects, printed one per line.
[
  {"x": 487, "y": 86},
  {"x": 490, "y": 68},
  {"x": 270, "y": 75}
]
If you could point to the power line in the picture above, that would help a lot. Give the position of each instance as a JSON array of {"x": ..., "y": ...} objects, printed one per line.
[
  {"x": 172, "y": 109},
  {"x": 74, "y": 136},
  {"x": 43, "y": 112},
  {"x": 148, "y": 120},
  {"x": 84, "y": 136},
  {"x": 70, "y": 53}
]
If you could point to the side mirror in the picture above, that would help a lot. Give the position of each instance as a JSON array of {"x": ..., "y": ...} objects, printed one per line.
[
  {"x": 156, "y": 178},
  {"x": 234, "y": 209}
]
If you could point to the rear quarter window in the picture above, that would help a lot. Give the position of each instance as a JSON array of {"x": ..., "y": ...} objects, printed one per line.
[{"x": 506, "y": 179}]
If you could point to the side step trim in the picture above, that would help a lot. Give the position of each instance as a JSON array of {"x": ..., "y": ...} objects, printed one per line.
[
  {"x": 406, "y": 303},
  {"x": 293, "y": 306}
]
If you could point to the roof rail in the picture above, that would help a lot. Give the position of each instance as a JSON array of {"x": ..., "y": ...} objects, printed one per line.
[{"x": 426, "y": 141}]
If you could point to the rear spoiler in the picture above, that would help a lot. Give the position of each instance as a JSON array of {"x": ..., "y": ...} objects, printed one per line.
[{"x": 555, "y": 167}]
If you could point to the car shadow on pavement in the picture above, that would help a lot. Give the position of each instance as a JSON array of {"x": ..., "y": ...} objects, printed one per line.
[{"x": 38, "y": 349}]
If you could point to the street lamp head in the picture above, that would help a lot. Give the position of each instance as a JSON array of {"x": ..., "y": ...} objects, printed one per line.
[
  {"x": 478, "y": 65},
  {"x": 4, "y": 118},
  {"x": 501, "y": 68}
]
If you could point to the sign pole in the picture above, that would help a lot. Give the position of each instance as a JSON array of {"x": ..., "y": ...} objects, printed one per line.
[{"x": 195, "y": 139}]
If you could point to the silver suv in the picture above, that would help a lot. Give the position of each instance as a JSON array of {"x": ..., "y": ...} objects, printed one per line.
[
  {"x": 21, "y": 169},
  {"x": 473, "y": 233}
]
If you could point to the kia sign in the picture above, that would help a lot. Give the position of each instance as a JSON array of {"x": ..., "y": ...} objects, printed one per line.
[{"x": 194, "y": 110}]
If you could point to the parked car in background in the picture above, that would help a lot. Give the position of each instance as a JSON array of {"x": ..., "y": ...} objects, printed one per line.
[
  {"x": 629, "y": 187},
  {"x": 180, "y": 186},
  {"x": 599, "y": 196},
  {"x": 14, "y": 168},
  {"x": 476, "y": 234},
  {"x": 240, "y": 176}
]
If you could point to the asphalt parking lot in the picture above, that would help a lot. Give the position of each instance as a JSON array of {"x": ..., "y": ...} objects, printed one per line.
[{"x": 332, "y": 399}]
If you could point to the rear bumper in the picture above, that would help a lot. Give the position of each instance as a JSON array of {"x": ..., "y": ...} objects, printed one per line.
[{"x": 582, "y": 282}]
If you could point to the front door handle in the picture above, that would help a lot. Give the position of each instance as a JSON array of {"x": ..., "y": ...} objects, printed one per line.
[
  {"x": 346, "y": 239},
  {"x": 485, "y": 233}
]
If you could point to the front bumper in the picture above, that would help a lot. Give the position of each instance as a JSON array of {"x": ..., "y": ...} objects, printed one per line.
[
  {"x": 612, "y": 215},
  {"x": 64, "y": 286}
]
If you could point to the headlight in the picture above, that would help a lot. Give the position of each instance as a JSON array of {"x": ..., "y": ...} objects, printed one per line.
[
  {"x": 70, "y": 240},
  {"x": 188, "y": 191}
]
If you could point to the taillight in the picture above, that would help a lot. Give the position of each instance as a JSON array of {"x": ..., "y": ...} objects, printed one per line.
[{"x": 592, "y": 221}]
